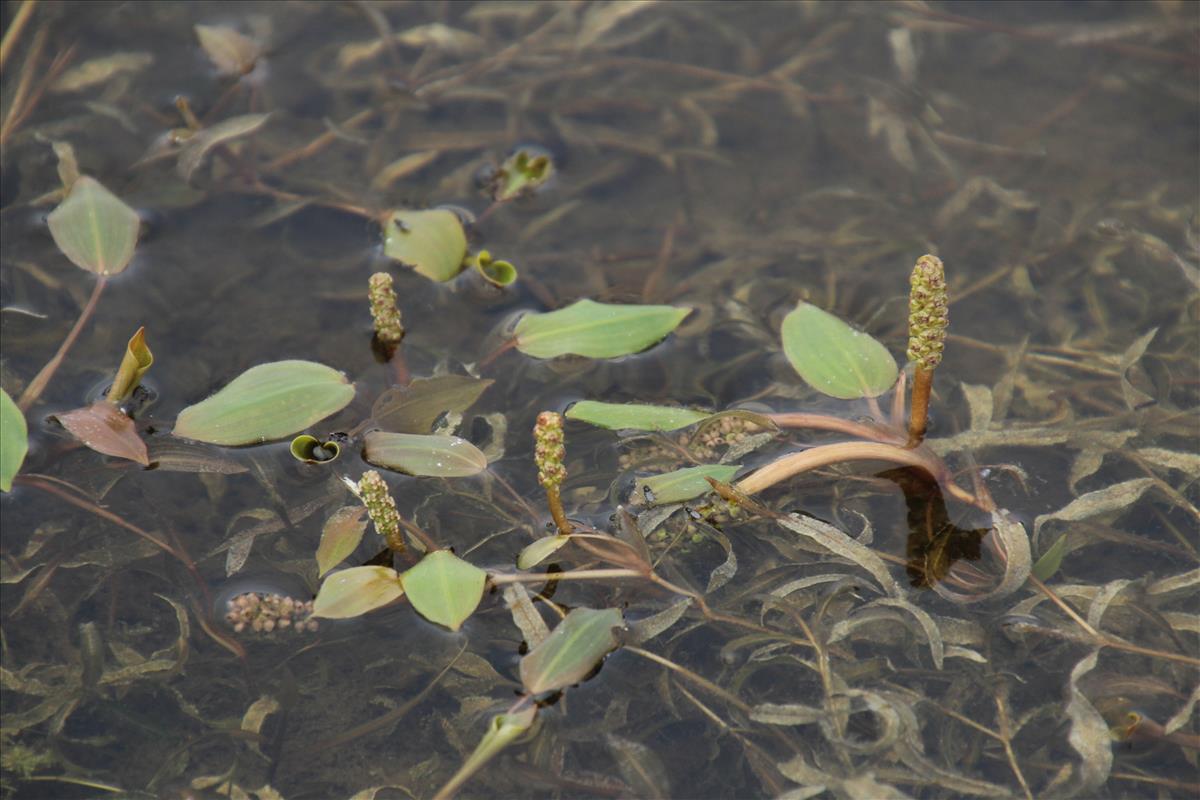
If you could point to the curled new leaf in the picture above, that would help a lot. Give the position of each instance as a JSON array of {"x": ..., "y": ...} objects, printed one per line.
[
  {"x": 497, "y": 273},
  {"x": 834, "y": 358},
  {"x": 596, "y": 330},
  {"x": 432, "y": 242},
  {"x": 572, "y": 650},
  {"x": 134, "y": 364}
]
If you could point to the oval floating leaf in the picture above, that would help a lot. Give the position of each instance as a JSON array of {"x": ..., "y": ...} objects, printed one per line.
[
  {"x": 340, "y": 537},
  {"x": 444, "y": 588},
  {"x": 267, "y": 402},
  {"x": 537, "y": 552},
  {"x": 428, "y": 456},
  {"x": 634, "y": 416},
  {"x": 432, "y": 242},
  {"x": 596, "y": 330},
  {"x": 684, "y": 484},
  {"x": 572, "y": 650},
  {"x": 201, "y": 143},
  {"x": 834, "y": 358},
  {"x": 106, "y": 430},
  {"x": 356, "y": 591},
  {"x": 414, "y": 408},
  {"x": 94, "y": 228},
  {"x": 14, "y": 441}
]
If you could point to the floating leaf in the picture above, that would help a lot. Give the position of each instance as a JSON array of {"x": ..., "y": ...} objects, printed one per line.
[
  {"x": 539, "y": 551},
  {"x": 634, "y": 416},
  {"x": 340, "y": 537},
  {"x": 444, "y": 588},
  {"x": 596, "y": 330},
  {"x": 106, "y": 430},
  {"x": 497, "y": 273},
  {"x": 684, "y": 484},
  {"x": 14, "y": 441},
  {"x": 834, "y": 358},
  {"x": 201, "y": 143},
  {"x": 523, "y": 172},
  {"x": 94, "y": 228},
  {"x": 231, "y": 52},
  {"x": 414, "y": 408},
  {"x": 428, "y": 456},
  {"x": 269, "y": 401},
  {"x": 502, "y": 730},
  {"x": 431, "y": 242},
  {"x": 356, "y": 591},
  {"x": 572, "y": 650},
  {"x": 134, "y": 364}
]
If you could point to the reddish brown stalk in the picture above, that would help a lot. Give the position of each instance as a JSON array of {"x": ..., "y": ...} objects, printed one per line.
[
  {"x": 15, "y": 28},
  {"x": 873, "y": 433},
  {"x": 556, "y": 511},
  {"x": 918, "y": 415},
  {"x": 36, "y": 386}
]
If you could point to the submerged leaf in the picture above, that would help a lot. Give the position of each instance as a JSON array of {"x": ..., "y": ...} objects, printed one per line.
[
  {"x": 98, "y": 70},
  {"x": 524, "y": 615},
  {"x": 634, "y": 416},
  {"x": 572, "y": 650},
  {"x": 94, "y": 228},
  {"x": 269, "y": 401},
  {"x": 841, "y": 544},
  {"x": 355, "y": 591},
  {"x": 640, "y": 766},
  {"x": 201, "y": 143},
  {"x": 1089, "y": 734},
  {"x": 1115, "y": 498},
  {"x": 428, "y": 456},
  {"x": 14, "y": 441},
  {"x": 415, "y": 407},
  {"x": 340, "y": 537},
  {"x": 231, "y": 52},
  {"x": 432, "y": 242},
  {"x": 596, "y": 330},
  {"x": 444, "y": 588},
  {"x": 537, "y": 552},
  {"x": 684, "y": 484},
  {"x": 1051, "y": 560},
  {"x": 106, "y": 430},
  {"x": 834, "y": 358},
  {"x": 523, "y": 172}
]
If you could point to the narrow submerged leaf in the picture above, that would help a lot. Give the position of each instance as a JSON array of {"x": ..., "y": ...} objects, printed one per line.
[
  {"x": 684, "y": 484},
  {"x": 834, "y": 358},
  {"x": 355, "y": 591},
  {"x": 416, "y": 407},
  {"x": 841, "y": 544},
  {"x": 537, "y": 552},
  {"x": 525, "y": 615},
  {"x": 201, "y": 143},
  {"x": 340, "y": 537},
  {"x": 427, "y": 456},
  {"x": 269, "y": 401},
  {"x": 14, "y": 441},
  {"x": 1089, "y": 735},
  {"x": 634, "y": 416},
  {"x": 99, "y": 70},
  {"x": 1051, "y": 560},
  {"x": 432, "y": 242},
  {"x": 106, "y": 430},
  {"x": 596, "y": 330},
  {"x": 647, "y": 628},
  {"x": 444, "y": 588},
  {"x": 787, "y": 714},
  {"x": 1115, "y": 498},
  {"x": 231, "y": 53},
  {"x": 640, "y": 766},
  {"x": 94, "y": 228},
  {"x": 572, "y": 650}
]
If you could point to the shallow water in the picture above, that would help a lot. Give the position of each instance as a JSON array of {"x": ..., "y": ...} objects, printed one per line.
[{"x": 733, "y": 158}]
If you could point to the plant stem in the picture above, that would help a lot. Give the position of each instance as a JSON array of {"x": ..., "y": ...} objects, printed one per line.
[
  {"x": 556, "y": 511},
  {"x": 577, "y": 575},
  {"x": 35, "y": 388},
  {"x": 873, "y": 433},
  {"x": 20, "y": 19},
  {"x": 918, "y": 415}
]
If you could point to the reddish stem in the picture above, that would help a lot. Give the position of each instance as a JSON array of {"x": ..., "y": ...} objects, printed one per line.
[{"x": 36, "y": 386}]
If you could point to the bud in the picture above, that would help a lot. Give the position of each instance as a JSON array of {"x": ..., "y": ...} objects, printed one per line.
[
  {"x": 384, "y": 313},
  {"x": 928, "y": 313},
  {"x": 549, "y": 451},
  {"x": 373, "y": 492}
]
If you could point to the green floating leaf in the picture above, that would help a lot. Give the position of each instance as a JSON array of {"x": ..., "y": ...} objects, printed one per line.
[
  {"x": 94, "y": 228},
  {"x": 427, "y": 456},
  {"x": 684, "y": 484},
  {"x": 572, "y": 650},
  {"x": 834, "y": 358},
  {"x": 497, "y": 273},
  {"x": 634, "y": 416},
  {"x": 1051, "y": 560},
  {"x": 340, "y": 537},
  {"x": 432, "y": 242},
  {"x": 14, "y": 441},
  {"x": 444, "y": 588},
  {"x": 537, "y": 552},
  {"x": 267, "y": 402},
  {"x": 523, "y": 172},
  {"x": 596, "y": 330},
  {"x": 502, "y": 730},
  {"x": 134, "y": 364},
  {"x": 414, "y": 408},
  {"x": 355, "y": 591}
]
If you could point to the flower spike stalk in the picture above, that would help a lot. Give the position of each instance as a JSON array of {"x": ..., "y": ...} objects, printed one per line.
[
  {"x": 384, "y": 314},
  {"x": 549, "y": 453},
  {"x": 381, "y": 508},
  {"x": 928, "y": 316}
]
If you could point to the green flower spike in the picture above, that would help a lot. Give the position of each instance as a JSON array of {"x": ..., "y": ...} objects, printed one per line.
[
  {"x": 373, "y": 492},
  {"x": 549, "y": 453},
  {"x": 385, "y": 315},
  {"x": 928, "y": 317}
]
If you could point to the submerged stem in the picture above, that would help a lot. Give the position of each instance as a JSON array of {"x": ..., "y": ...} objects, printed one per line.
[{"x": 38, "y": 385}]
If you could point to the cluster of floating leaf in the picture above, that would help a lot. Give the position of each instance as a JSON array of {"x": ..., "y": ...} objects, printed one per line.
[{"x": 264, "y": 613}]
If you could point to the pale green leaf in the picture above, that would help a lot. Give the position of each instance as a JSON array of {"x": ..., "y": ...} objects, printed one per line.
[
  {"x": 834, "y": 358},
  {"x": 634, "y": 416},
  {"x": 340, "y": 537},
  {"x": 14, "y": 441},
  {"x": 537, "y": 552},
  {"x": 502, "y": 730},
  {"x": 267, "y": 402},
  {"x": 356, "y": 591},
  {"x": 444, "y": 588},
  {"x": 429, "y": 456},
  {"x": 94, "y": 228},
  {"x": 684, "y": 484},
  {"x": 596, "y": 330},
  {"x": 1051, "y": 560},
  {"x": 432, "y": 242},
  {"x": 572, "y": 650}
]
